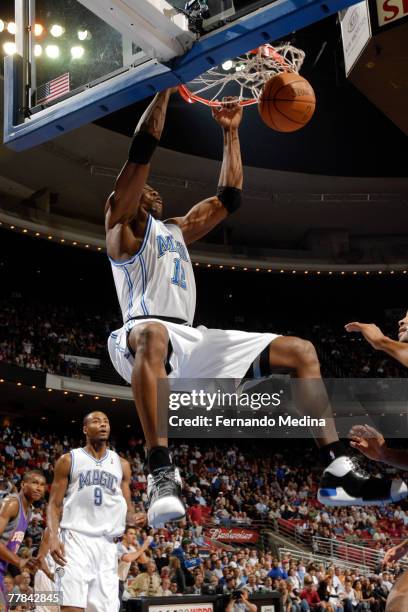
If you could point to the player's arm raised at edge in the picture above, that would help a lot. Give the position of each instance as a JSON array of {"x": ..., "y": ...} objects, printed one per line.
[
  {"x": 380, "y": 342},
  {"x": 8, "y": 512},
  {"x": 132, "y": 518},
  {"x": 206, "y": 215},
  {"x": 54, "y": 510},
  {"x": 139, "y": 553},
  {"x": 123, "y": 205}
]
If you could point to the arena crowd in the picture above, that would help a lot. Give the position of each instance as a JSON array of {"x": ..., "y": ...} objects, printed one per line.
[{"x": 227, "y": 486}]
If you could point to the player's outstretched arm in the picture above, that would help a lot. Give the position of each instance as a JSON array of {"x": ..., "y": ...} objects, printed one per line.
[
  {"x": 55, "y": 507},
  {"x": 123, "y": 204},
  {"x": 381, "y": 342},
  {"x": 8, "y": 512},
  {"x": 132, "y": 517},
  {"x": 206, "y": 215},
  {"x": 396, "y": 552}
]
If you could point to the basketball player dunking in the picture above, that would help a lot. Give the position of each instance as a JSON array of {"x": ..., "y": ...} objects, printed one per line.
[
  {"x": 89, "y": 503},
  {"x": 155, "y": 285},
  {"x": 372, "y": 444},
  {"x": 15, "y": 513}
]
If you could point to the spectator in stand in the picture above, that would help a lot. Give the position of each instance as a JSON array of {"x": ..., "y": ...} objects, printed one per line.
[
  {"x": 176, "y": 574},
  {"x": 147, "y": 584},
  {"x": 311, "y": 597},
  {"x": 327, "y": 594},
  {"x": 165, "y": 590},
  {"x": 195, "y": 512},
  {"x": 241, "y": 603},
  {"x": 277, "y": 571},
  {"x": 129, "y": 552},
  {"x": 198, "y": 587}
]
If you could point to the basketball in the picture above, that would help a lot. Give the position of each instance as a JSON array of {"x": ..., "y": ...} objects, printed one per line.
[{"x": 287, "y": 102}]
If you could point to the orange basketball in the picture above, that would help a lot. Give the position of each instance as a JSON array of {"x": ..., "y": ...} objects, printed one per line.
[{"x": 287, "y": 102}]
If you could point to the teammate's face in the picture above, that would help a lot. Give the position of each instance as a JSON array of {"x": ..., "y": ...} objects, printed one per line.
[
  {"x": 34, "y": 488},
  {"x": 403, "y": 329},
  {"x": 151, "y": 202},
  {"x": 97, "y": 427}
]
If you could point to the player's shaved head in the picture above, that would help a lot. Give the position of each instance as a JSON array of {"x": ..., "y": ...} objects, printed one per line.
[
  {"x": 33, "y": 474},
  {"x": 90, "y": 415}
]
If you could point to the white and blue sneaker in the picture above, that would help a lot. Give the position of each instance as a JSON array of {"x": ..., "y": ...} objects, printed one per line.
[
  {"x": 164, "y": 495},
  {"x": 346, "y": 483}
]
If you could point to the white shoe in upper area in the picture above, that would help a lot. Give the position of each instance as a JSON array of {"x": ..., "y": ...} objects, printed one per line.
[
  {"x": 346, "y": 483},
  {"x": 164, "y": 494}
]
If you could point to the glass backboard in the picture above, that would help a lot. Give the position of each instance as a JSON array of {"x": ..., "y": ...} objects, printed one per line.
[{"x": 88, "y": 58}]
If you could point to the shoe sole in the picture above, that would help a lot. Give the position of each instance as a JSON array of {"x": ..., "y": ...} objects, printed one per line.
[
  {"x": 159, "y": 513},
  {"x": 339, "y": 497}
]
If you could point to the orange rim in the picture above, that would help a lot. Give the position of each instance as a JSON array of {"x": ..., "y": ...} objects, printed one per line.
[{"x": 191, "y": 98}]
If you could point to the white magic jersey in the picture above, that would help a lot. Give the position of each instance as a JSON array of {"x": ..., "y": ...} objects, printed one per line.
[
  {"x": 94, "y": 503},
  {"x": 159, "y": 279}
]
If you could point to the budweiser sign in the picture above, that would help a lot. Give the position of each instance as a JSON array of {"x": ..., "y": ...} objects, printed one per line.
[{"x": 234, "y": 534}]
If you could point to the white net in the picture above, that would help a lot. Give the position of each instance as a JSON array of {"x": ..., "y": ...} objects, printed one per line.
[{"x": 244, "y": 76}]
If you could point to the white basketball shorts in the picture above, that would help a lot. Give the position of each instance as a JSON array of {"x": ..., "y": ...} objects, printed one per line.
[
  {"x": 89, "y": 580},
  {"x": 197, "y": 352}
]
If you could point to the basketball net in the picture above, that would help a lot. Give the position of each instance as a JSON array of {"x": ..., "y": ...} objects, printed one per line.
[{"x": 248, "y": 73}]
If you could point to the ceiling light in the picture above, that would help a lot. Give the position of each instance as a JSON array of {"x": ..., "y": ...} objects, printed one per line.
[
  {"x": 56, "y": 30},
  {"x": 52, "y": 51},
  {"x": 84, "y": 35},
  {"x": 77, "y": 52},
  {"x": 38, "y": 29},
  {"x": 9, "y": 48}
]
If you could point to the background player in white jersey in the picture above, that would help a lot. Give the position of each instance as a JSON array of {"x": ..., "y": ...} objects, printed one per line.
[
  {"x": 89, "y": 503},
  {"x": 154, "y": 281}
]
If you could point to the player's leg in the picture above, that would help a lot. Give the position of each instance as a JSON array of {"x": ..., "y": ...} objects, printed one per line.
[
  {"x": 344, "y": 482},
  {"x": 72, "y": 580},
  {"x": 150, "y": 345},
  {"x": 398, "y": 597},
  {"x": 103, "y": 592}
]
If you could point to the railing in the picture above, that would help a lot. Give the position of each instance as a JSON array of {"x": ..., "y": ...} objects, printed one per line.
[
  {"x": 323, "y": 550},
  {"x": 350, "y": 553},
  {"x": 289, "y": 553}
]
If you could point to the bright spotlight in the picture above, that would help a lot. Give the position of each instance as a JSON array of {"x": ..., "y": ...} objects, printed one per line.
[
  {"x": 52, "y": 51},
  {"x": 56, "y": 31},
  {"x": 227, "y": 65},
  {"x": 9, "y": 48},
  {"x": 11, "y": 27},
  {"x": 38, "y": 50},
  {"x": 77, "y": 52},
  {"x": 84, "y": 35},
  {"x": 38, "y": 29},
  {"x": 2, "y": 25}
]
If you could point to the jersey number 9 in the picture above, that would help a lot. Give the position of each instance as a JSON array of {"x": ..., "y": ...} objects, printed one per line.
[{"x": 98, "y": 496}]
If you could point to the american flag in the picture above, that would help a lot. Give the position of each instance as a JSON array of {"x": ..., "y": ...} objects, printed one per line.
[{"x": 53, "y": 89}]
